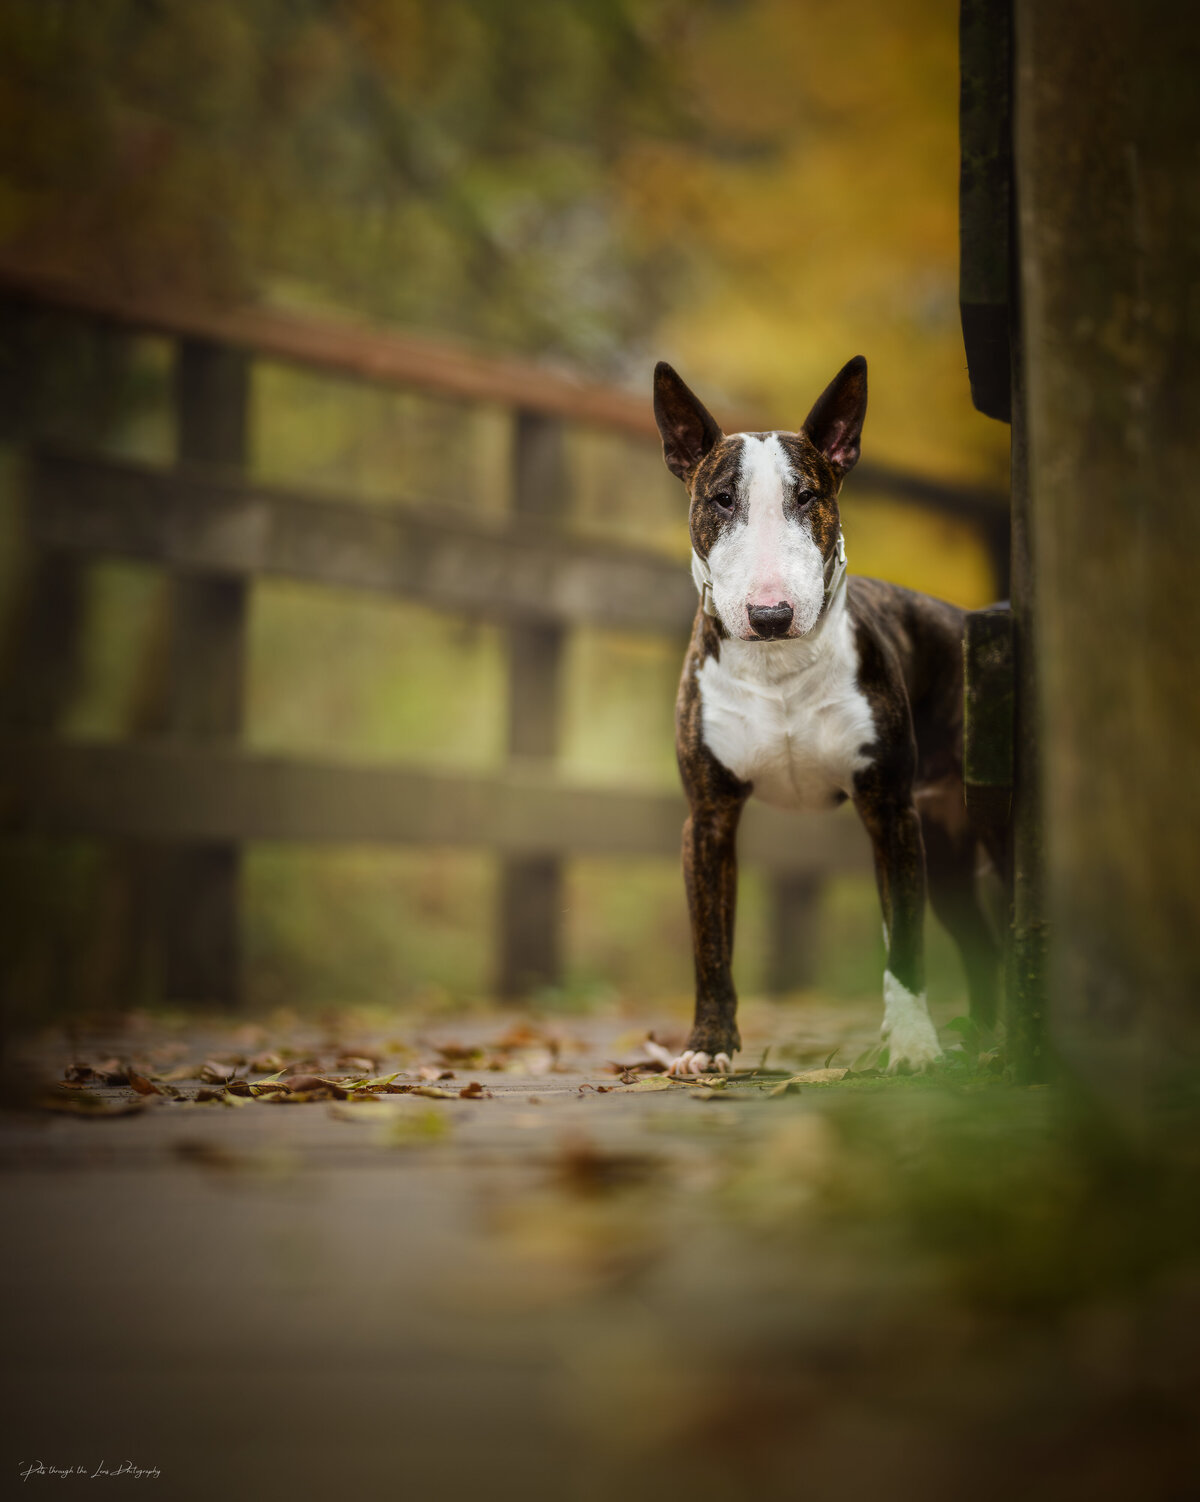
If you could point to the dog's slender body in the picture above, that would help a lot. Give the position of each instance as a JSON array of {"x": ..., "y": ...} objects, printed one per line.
[{"x": 804, "y": 687}]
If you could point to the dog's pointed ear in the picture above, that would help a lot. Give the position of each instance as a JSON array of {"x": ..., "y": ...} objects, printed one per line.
[
  {"x": 688, "y": 429},
  {"x": 836, "y": 420}
]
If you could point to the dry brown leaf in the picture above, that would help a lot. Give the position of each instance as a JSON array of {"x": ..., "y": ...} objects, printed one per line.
[
  {"x": 647, "y": 1083},
  {"x": 267, "y": 1063},
  {"x": 431, "y": 1092},
  {"x": 142, "y": 1085},
  {"x": 215, "y": 1072},
  {"x": 316, "y": 1090},
  {"x": 433, "y": 1072},
  {"x": 818, "y": 1076},
  {"x": 308, "y": 1084},
  {"x": 474, "y": 1091}
]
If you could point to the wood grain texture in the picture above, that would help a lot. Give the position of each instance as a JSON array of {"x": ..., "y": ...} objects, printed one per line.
[{"x": 168, "y": 793}]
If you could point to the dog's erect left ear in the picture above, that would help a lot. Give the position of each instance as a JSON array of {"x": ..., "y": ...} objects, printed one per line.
[
  {"x": 835, "y": 422},
  {"x": 688, "y": 428}
]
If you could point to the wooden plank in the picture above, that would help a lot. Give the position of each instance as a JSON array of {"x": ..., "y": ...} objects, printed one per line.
[
  {"x": 347, "y": 349},
  {"x": 530, "y": 945},
  {"x": 207, "y": 627},
  {"x": 436, "y": 366},
  {"x": 211, "y": 523},
  {"x": 1027, "y": 958},
  {"x": 168, "y": 792},
  {"x": 988, "y": 715}
]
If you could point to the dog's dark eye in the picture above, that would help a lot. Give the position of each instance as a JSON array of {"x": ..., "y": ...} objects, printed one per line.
[
  {"x": 805, "y": 498},
  {"x": 723, "y": 501}
]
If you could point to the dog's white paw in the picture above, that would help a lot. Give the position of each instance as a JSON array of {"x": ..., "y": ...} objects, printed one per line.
[
  {"x": 691, "y": 1061},
  {"x": 907, "y": 1029},
  {"x": 697, "y": 1062}
]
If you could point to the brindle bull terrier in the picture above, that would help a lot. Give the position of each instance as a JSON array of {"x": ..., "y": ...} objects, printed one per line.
[{"x": 804, "y": 686}]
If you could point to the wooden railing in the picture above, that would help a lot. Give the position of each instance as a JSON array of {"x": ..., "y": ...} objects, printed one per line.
[{"x": 196, "y": 794}]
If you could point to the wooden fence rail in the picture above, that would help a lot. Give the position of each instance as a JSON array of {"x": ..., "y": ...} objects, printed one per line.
[{"x": 196, "y": 794}]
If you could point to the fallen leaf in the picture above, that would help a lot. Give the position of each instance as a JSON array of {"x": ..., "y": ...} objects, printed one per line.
[
  {"x": 474, "y": 1091},
  {"x": 650, "y": 1082},
  {"x": 378, "y": 1082},
  {"x": 266, "y": 1063},
  {"x": 215, "y": 1072},
  {"x": 221, "y": 1097},
  {"x": 142, "y": 1085},
  {"x": 789, "y": 1087},
  {"x": 431, "y": 1092},
  {"x": 819, "y": 1076},
  {"x": 433, "y": 1072},
  {"x": 310, "y": 1084},
  {"x": 111, "y": 1072}
]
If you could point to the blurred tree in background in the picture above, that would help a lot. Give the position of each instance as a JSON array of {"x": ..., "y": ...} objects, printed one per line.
[
  {"x": 753, "y": 190},
  {"x": 758, "y": 189}
]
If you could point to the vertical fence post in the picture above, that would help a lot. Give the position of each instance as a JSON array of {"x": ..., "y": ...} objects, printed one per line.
[
  {"x": 531, "y": 886},
  {"x": 794, "y": 907},
  {"x": 206, "y": 673}
]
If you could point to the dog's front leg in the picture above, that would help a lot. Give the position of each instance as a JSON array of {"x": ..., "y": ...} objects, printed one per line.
[
  {"x": 890, "y": 818},
  {"x": 710, "y": 875}
]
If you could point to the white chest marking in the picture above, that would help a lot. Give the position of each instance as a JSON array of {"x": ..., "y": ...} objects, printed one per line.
[{"x": 788, "y": 716}]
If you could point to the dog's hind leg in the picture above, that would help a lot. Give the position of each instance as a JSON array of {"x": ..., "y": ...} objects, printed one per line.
[
  {"x": 950, "y": 862},
  {"x": 890, "y": 818}
]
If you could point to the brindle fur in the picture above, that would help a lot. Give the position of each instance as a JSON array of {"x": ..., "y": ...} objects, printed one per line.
[{"x": 910, "y": 795}]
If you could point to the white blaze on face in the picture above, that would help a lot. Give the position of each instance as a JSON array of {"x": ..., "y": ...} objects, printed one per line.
[{"x": 764, "y": 557}]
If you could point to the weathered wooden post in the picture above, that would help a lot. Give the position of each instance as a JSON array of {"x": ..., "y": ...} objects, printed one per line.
[
  {"x": 1108, "y": 117},
  {"x": 207, "y": 667},
  {"x": 531, "y": 886},
  {"x": 989, "y": 295}
]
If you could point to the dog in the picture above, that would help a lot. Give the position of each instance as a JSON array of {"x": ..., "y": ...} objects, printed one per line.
[{"x": 804, "y": 686}]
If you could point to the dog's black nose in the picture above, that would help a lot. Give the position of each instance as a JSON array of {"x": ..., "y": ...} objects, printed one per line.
[{"x": 770, "y": 620}]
